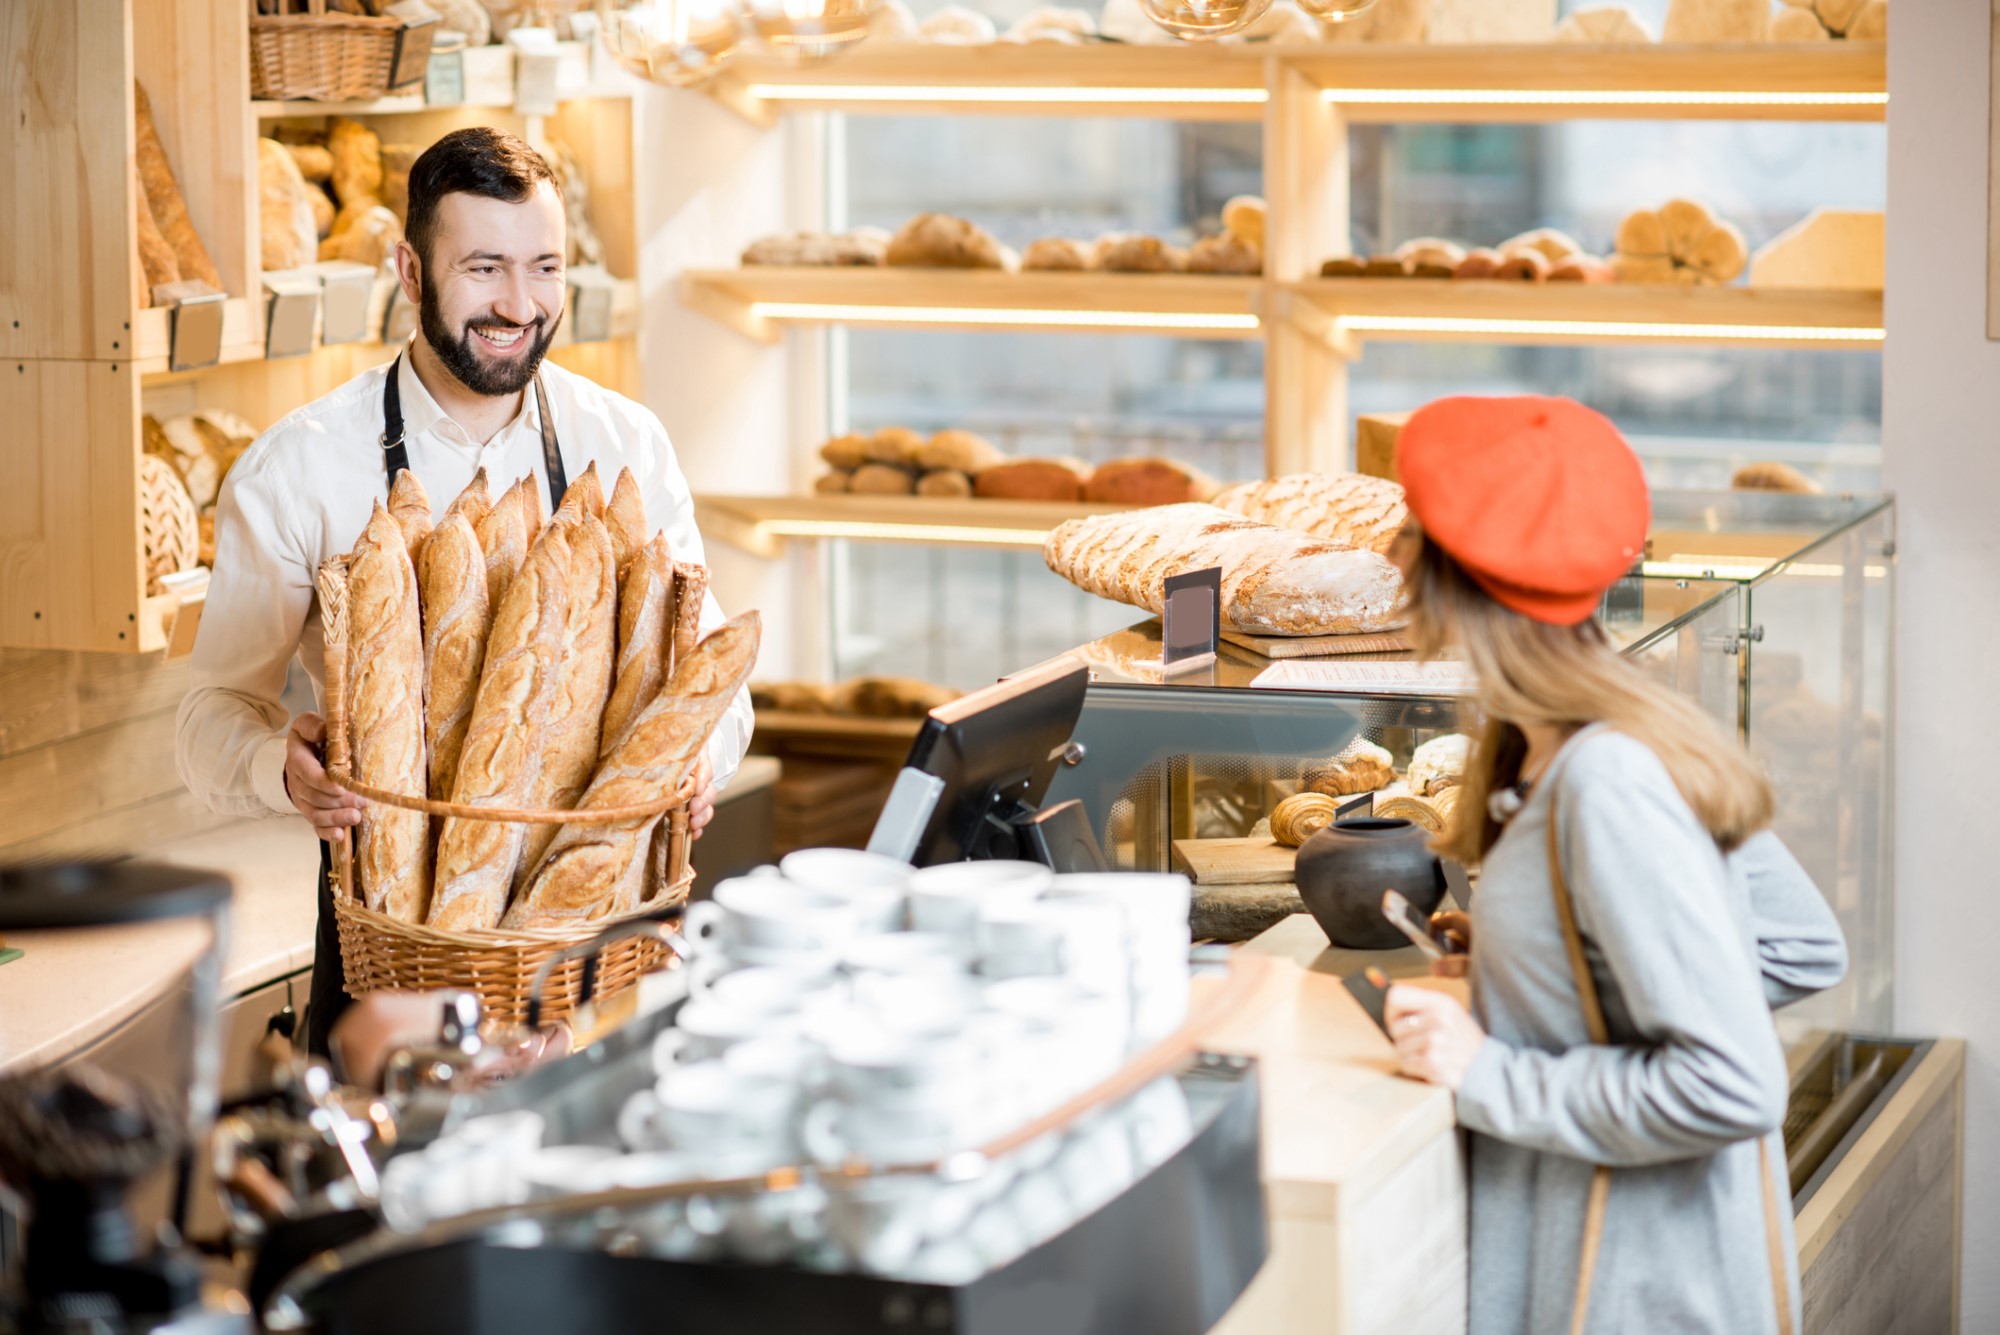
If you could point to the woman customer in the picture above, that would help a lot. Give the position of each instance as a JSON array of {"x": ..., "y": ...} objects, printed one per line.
[{"x": 1622, "y": 1082}]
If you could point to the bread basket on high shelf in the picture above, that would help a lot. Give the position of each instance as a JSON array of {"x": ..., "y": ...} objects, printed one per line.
[
  {"x": 380, "y": 952},
  {"x": 305, "y": 53}
]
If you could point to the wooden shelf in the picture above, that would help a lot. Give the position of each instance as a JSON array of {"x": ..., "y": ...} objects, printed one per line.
[
  {"x": 787, "y": 725},
  {"x": 761, "y": 524},
  {"x": 1448, "y": 310},
  {"x": 755, "y": 300},
  {"x": 1837, "y": 81},
  {"x": 489, "y": 86}
]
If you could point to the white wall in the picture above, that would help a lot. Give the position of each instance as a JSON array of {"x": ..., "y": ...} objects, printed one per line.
[{"x": 1941, "y": 417}]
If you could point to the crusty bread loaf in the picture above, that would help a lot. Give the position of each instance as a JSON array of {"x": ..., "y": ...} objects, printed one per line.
[
  {"x": 410, "y": 507},
  {"x": 958, "y": 449},
  {"x": 386, "y": 686},
  {"x": 1224, "y": 253},
  {"x": 287, "y": 235},
  {"x": 1148, "y": 482},
  {"x": 625, "y": 518},
  {"x": 896, "y": 445},
  {"x": 1274, "y": 581},
  {"x": 1131, "y": 252},
  {"x": 452, "y": 585},
  {"x": 940, "y": 241},
  {"x": 594, "y": 871},
  {"x": 882, "y": 480},
  {"x": 833, "y": 483},
  {"x": 583, "y": 686},
  {"x": 503, "y": 541},
  {"x": 163, "y": 195},
  {"x": 1033, "y": 480},
  {"x": 501, "y": 759},
  {"x": 1347, "y": 509},
  {"x": 644, "y": 638}
]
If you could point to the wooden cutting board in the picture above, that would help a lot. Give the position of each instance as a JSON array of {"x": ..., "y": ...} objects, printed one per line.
[
  {"x": 1235, "y": 861},
  {"x": 1320, "y": 646}
]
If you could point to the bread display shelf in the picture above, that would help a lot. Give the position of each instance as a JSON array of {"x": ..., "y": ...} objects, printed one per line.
[
  {"x": 1836, "y": 81},
  {"x": 761, "y": 524},
  {"x": 784, "y": 724},
  {"x": 489, "y": 85},
  {"x": 756, "y": 300},
  {"x": 1470, "y": 310}
]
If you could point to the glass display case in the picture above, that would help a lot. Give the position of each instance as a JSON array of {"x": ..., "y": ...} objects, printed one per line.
[{"x": 1770, "y": 612}]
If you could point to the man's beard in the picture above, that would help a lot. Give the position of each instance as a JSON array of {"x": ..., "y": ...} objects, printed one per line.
[{"x": 456, "y": 351}]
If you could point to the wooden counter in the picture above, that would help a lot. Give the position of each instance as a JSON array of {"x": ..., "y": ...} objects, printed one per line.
[
  {"x": 1364, "y": 1170},
  {"x": 71, "y": 988}
]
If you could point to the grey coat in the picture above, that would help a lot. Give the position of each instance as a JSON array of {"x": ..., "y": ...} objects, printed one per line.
[{"x": 1690, "y": 950}]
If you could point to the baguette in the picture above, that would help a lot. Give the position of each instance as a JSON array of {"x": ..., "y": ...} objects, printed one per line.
[
  {"x": 156, "y": 257},
  {"x": 163, "y": 195},
  {"x": 1348, "y": 509},
  {"x": 593, "y": 871},
  {"x": 410, "y": 507},
  {"x": 386, "y": 653},
  {"x": 569, "y": 740},
  {"x": 501, "y": 759},
  {"x": 625, "y": 518},
  {"x": 475, "y": 502},
  {"x": 503, "y": 541},
  {"x": 1274, "y": 581},
  {"x": 587, "y": 492},
  {"x": 529, "y": 501},
  {"x": 452, "y": 585},
  {"x": 645, "y": 637}
]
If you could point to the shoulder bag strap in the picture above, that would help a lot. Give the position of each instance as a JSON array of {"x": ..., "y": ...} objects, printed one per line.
[{"x": 1600, "y": 1177}]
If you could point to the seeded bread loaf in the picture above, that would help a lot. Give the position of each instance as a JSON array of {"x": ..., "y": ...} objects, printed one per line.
[
  {"x": 594, "y": 871},
  {"x": 1274, "y": 581},
  {"x": 501, "y": 760},
  {"x": 1347, "y": 509},
  {"x": 452, "y": 584},
  {"x": 386, "y": 658}
]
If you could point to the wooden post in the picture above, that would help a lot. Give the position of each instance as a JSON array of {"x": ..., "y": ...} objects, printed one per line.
[{"x": 1305, "y": 186}]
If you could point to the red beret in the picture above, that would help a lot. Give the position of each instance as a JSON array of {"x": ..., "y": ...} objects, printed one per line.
[{"x": 1540, "y": 499}]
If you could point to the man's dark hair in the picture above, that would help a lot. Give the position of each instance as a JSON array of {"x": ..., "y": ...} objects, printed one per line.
[{"x": 478, "y": 161}]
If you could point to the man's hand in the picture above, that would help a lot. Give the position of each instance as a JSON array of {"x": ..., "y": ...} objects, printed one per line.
[
  {"x": 701, "y": 807},
  {"x": 327, "y": 807}
]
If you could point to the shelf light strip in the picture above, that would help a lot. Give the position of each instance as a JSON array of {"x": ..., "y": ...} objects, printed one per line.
[
  {"x": 1760, "y": 333},
  {"x": 1593, "y": 97},
  {"x": 840, "y": 92},
  {"x": 966, "y": 315},
  {"x": 866, "y": 531}
]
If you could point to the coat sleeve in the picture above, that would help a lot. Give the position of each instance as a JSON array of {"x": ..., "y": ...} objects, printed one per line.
[
  {"x": 1799, "y": 943},
  {"x": 1704, "y": 1067}
]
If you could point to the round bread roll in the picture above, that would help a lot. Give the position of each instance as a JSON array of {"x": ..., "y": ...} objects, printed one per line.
[
  {"x": 847, "y": 452},
  {"x": 1478, "y": 263},
  {"x": 1344, "y": 266},
  {"x": 833, "y": 483},
  {"x": 944, "y": 482},
  {"x": 1224, "y": 254},
  {"x": 1130, "y": 252},
  {"x": 940, "y": 241},
  {"x": 1362, "y": 768},
  {"x": 882, "y": 480},
  {"x": 960, "y": 450},
  {"x": 1243, "y": 218},
  {"x": 1523, "y": 266},
  {"x": 1058, "y": 252},
  {"x": 1552, "y": 245},
  {"x": 896, "y": 445},
  {"x": 1301, "y": 816}
]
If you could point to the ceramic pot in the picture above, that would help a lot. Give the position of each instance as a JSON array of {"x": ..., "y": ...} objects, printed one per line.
[{"x": 1343, "y": 870}]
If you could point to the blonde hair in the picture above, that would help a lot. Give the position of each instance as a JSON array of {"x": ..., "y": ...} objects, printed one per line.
[{"x": 1535, "y": 674}]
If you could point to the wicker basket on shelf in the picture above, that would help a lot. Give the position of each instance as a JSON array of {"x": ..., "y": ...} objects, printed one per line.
[
  {"x": 336, "y": 57},
  {"x": 380, "y": 952}
]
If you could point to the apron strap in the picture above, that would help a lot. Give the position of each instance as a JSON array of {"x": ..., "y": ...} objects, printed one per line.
[{"x": 396, "y": 455}]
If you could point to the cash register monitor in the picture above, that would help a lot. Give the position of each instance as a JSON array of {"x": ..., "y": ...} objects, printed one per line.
[{"x": 982, "y": 765}]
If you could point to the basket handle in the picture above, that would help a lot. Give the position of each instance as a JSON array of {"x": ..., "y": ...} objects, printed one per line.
[{"x": 588, "y": 951}]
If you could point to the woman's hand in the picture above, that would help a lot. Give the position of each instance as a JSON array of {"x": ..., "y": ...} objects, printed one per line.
[{"x": 1436, "y": 1039}]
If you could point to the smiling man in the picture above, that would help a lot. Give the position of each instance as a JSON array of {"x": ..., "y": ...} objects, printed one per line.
[{"x": 484, "y": 263}]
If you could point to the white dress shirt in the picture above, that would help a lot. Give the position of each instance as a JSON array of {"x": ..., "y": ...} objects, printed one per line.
[{"x": 304, "y": 491}]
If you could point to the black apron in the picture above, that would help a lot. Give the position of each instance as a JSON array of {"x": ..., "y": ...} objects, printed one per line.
[{"x": 329, "y": 995}]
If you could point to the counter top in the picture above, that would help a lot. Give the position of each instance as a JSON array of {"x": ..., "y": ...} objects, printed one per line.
[{"x": 70, "y": 988}]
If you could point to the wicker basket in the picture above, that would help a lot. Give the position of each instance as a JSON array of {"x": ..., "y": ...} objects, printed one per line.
[
  {"x": 334, "y": 57},
  {"x": 379, "y": 952}
]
